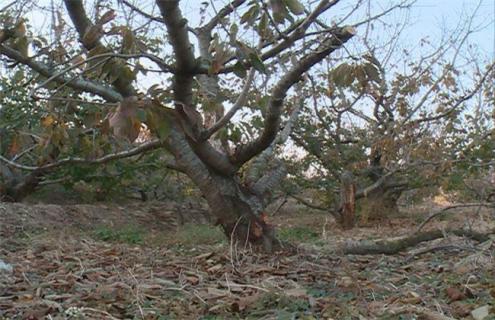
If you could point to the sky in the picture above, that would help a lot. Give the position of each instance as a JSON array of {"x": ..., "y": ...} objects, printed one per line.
[
  {"x": 433, "y": 15},
  {"x": 427, "y": 17}
]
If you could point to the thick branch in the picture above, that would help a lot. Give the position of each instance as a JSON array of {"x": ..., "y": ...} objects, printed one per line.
[
  {"x": 82, "y": 24},
  {"x": 184, "y": 56},
  {"x": 273, "y": 177},
  {"x": 272, "y": 117},
  {"x": 78, "y": 84},
  {"x": 5, "y": 35},
  {"x": 363, "y": 193}
]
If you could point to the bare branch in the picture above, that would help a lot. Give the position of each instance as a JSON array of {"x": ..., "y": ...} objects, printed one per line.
[
  {"x": 402, "y": 5},
  {"x": 151, "y": 145},
  {"x": 443, "y": 210},
  {"x": 185, "y": 62},
  {"x": 228, "y": 9},
  {"x": 83, "y": 25},
  {"x": 462, "y": 99},
  {"x": 272, "y": 118},
  {"x": 309, "y": 204},
  {"x": 141, "y": 12},
  {"x": 162, "y": 64},
  {"x": 295, "y": 34},
  {"x": 78, "y": 84},
  {"x": 238, "y": 104}
]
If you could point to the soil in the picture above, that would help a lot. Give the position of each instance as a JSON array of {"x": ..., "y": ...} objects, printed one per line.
[{"x": 61, "y": 270}]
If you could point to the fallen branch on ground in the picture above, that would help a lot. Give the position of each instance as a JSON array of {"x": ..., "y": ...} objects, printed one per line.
[{"x": 395, "y": 245}]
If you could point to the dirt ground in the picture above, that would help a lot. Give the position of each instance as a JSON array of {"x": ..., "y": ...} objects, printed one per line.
[{"x": 160, "y": 261}]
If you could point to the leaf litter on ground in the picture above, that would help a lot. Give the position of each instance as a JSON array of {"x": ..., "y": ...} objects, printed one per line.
[{"x": 73, "y": 276}]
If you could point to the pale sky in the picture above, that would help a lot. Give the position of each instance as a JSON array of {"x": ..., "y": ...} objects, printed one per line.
[
  {"x": 433, "y": 15},
  {"x": 427, "y": 17}
]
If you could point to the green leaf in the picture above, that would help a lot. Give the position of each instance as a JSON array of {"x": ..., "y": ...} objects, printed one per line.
[
  {"x": 159, "y": 125},
  {"x": 163, "y": 130},
  {"x": 263, "y": 26},
  {"x": 257, "y": 63},
  {"x": 141, "y": 115},
  {"x": 250, "y": 15},
  {"x": 279, "y": 10},
  {"x": 294, "y": 6},
  {"x": 234, "y": 28},
  {"x": 128, "y": 41},
  {"x": 239, "y": 70}
]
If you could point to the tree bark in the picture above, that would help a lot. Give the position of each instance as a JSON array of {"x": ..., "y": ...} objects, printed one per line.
[
  {"x": 238, "y": 209},
  {"x": 240, "y": 213},
  {"x": 347, "y": 201},
  {"x": 380, "y": 204},
  {"x": 15, "y": 188}
]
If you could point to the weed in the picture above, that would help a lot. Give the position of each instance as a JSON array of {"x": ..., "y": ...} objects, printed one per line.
[
  {"x": 129, "y": 234},
  {"x": 298, "y": 234}
]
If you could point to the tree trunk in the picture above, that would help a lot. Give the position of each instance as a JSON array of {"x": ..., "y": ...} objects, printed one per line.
[
  {"x": 14, "y": 187},
  {"x": 238, "y": 209},
  {"x": 347, "y": 201},
  {"x": 240, "y": 213},
  {"x": 379, "y": 205}
]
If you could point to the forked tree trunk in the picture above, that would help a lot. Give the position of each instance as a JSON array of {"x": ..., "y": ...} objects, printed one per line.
[{"x": 236, "y": 208}]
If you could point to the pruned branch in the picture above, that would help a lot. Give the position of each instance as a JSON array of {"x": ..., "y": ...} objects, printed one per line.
[
  {"x": 395, "y": 245},
  {"x": 272, "y": 117}
]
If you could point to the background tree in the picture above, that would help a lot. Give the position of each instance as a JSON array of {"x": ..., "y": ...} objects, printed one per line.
[{"x": 395, "y": 125}]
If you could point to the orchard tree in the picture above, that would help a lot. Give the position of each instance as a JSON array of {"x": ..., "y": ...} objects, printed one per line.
[
  {"x": 394, "y": 120},
  {"x": 193, "y": 81}
]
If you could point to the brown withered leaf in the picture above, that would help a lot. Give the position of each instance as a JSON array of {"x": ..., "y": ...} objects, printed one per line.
[
  {"x": 455, "y": 294},
  {"x": 124, "y": 120}
]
